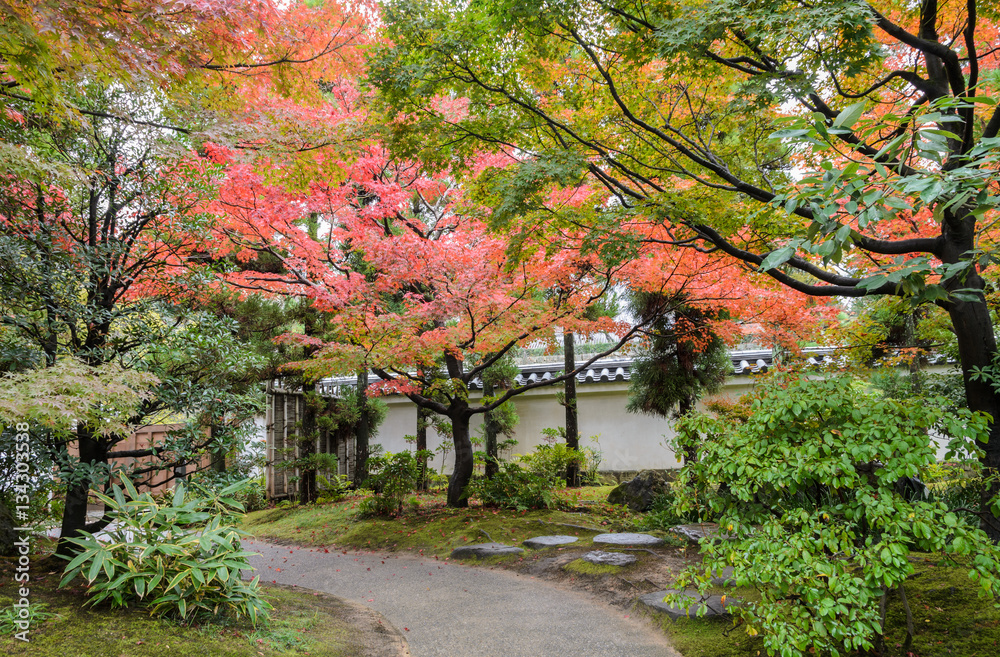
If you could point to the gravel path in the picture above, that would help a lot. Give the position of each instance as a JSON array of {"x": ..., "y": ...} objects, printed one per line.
[{"x": 452, "y": 610}]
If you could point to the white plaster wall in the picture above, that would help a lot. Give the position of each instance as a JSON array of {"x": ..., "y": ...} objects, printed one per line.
[{"x": 627, "y": 441}]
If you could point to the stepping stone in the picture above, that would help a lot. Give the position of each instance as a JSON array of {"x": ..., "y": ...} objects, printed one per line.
[
  {"x": 539, "y": 542},
  {"x": 724, "y": 578},
  {"x": 609, "y": 558},
  {"x": 484, "y": 550},
  {"x": 629, "y": 538},
  {"x": 713, "y": 605},
  {"x": 697, "y": 531}
]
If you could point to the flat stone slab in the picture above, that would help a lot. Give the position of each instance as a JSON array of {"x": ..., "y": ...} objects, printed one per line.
[
  {"x": 484, "y": 550},
  {"x": 609, "y": 558},
  {"x": 539, "y": 542},
  {"x": 723, "y": 578},
  {"x": 713, "y": 605},
  {"x": 629, "y": 538},
  {"x": 697, "y": 531}
]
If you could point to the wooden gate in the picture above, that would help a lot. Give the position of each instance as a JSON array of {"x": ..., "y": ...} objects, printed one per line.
[{"x": 285, "y": 409}]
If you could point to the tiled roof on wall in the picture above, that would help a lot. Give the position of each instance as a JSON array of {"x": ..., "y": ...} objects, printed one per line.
[
  {"x": 620, "y": 369},
  {"x": 612, "y": 369}
]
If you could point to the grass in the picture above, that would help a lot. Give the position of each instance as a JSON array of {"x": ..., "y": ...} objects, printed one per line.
[
  {"x": 300, "y": 624},
  {"x": 427, "y": 525},
  {"x": 581, "y": 567}
]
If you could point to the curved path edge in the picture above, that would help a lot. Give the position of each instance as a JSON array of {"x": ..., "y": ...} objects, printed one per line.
[
  {"x": 379, "y": 637},
  {"x": 453, "y": 610}
]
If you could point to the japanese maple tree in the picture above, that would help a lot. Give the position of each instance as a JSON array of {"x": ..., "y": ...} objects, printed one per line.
[
  {"x": 845, "y": 149},
  {"x": 411, "y": 279},
  {"x": 417, "y": 289},
  {"x": 102, "y": 195}
]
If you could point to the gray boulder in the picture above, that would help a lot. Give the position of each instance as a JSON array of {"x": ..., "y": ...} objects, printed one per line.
[
  {"x": 601, "y": 558},
  {"x": 629, "y": 538},
  {"x": 695, "y": 532},
  {"x": 539, "y": 542},
  {"x": 484, "y": 550},
  {"x": 710, "y": 605},
  {"x": 639, "y": 492}
]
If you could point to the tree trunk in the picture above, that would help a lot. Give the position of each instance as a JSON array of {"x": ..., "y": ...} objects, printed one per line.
[
  {"x": 462, "y": 475},
  {"x": 218, "y": 458},
  {"x": 92, "y": 452},
  {"x": 683, "y": 408},
  {"x": 362, "y": 431},
  {"x": 307, "y": 445},
  {"x": 7, "y": 534},
  {"x": 572, "y": 422},
  {"x": 423, "y": 419},
  {"x": 490, "y": 431},
  {"x": 990, "y": 522},
  {"x": 977, "y": 348}
]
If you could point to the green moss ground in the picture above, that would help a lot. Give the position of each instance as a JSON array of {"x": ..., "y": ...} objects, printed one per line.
[
  {"x": 949, "y": 618},
  {"x": 300, "y": 624},
  {"x": 950, "y": 621},
  {"x": 581, "y": 567},
  {"x": 426, "y": 525}
]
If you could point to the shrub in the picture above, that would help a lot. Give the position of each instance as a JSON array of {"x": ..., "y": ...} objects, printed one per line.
[
  {"x": 663, "y": 513},
  {"x": 806, "y": 487},
  {"x": 321, "y": 463},
  {"x": 391, "y": 478},
  {"x": 513, "y": 487},
  {"x": 550, "y": 460},
  {"x": 438, "y": 481},
  {"x": 174, "y": 557},
  {"x": 332, "y": 488},
  {"x": 958, "y": 485},
  {"x": 530, "y": 483},
  {"x": 592, "y": 457}
]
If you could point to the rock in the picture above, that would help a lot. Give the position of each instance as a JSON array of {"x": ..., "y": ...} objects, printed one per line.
[
  {"x": 484, "y": 550},
  {"x": 639, "y": 492},
  {"x": 539, "y": 542},
  {"x": 629, "y": 538},
  {"x": 724, "y": 578},
  {"x": 609, "y": 558},
  {"x": 697, "y": 531},
  {"x": 713, "y": 605},
  {"x": 912, "y": 489}
]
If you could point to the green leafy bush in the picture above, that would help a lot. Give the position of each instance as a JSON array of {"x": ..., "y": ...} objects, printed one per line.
[
  {"x": 513, "y": 487},
  {"x": 550, "y": 460},
  {"x": 332, "y": 488},
  {"x": 958, "y": 485},
  {"x": 663, "y": 514},
  {"x": 531, "y": 482},
  {"x": 174, "y": 557},
  {"x": 806, "y": 488},
  {"x": 392, "y": 477},
  {"x": 592, "y": 457}
]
